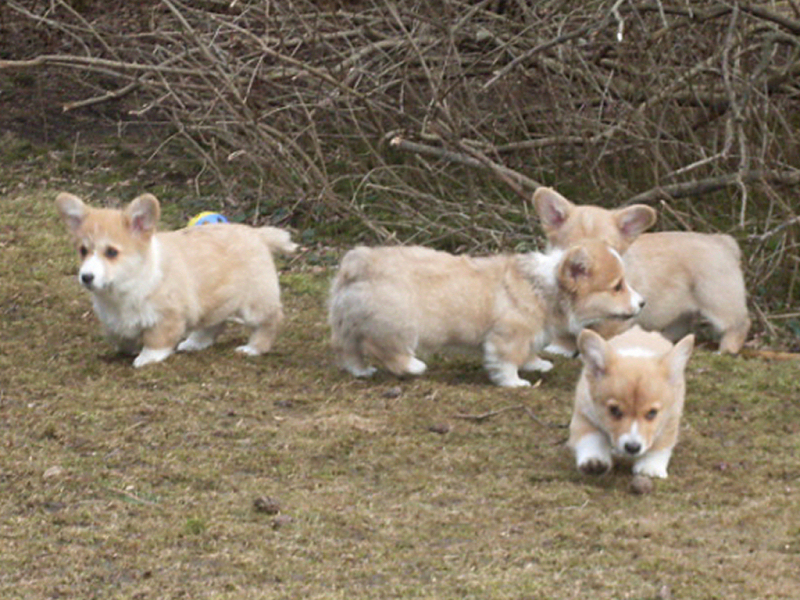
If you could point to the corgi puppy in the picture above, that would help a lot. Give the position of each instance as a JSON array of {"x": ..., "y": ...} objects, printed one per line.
[
  {"x": 388, "y": 302},
  {"x": 629, "y": 400},
  {"x": 680, "y": 274},
  {"x": 152, "y": 289}
]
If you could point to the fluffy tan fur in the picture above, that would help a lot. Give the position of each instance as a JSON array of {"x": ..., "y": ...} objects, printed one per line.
[
  {"x": 388, "y": 302},
  {"x": 151, "y": 289},
  {"x": 629, "y": 400},
  {"x": 680, "y": 274}
]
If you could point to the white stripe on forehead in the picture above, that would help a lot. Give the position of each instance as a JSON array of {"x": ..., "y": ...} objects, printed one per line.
[
  {"x": 636, "y": 351},
  {"x": 617, "y": 254}
]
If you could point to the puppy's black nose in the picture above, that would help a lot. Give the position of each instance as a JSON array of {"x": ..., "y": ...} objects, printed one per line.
[
  {"x": 87, "y": 279},
  {"x": 633, "y": 447}
]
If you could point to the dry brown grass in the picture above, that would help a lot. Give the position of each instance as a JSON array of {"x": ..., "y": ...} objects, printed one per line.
[{"x": 123, "y": 483}]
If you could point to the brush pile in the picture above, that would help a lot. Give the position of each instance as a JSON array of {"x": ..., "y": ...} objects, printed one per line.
[{"x": 434, "y": 121}]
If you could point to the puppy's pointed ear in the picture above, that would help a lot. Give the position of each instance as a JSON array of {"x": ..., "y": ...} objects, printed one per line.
[
  {"x": 553, "y": 209},
  {"x": 634, "y": 220},
  {"x": 141, "y": 215},
  {"x": 596, "y": 353},
  {"x": 675, "y": 360},
  {"x": 72, "y": 210}
]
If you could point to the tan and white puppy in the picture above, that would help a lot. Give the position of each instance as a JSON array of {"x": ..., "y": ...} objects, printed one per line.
[
  {"x": 152, "y": 289},
  {"x": 389, "y": 302},
  {"x": 629, "y": 400},
  {"x": 680, "y": 274}
]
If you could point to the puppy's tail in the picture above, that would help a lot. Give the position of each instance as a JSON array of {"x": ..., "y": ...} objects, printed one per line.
[
  {"x": 731, "y": 245},
  {"x": 355, "y": 266},
  {"x": 278, "y": 240}
]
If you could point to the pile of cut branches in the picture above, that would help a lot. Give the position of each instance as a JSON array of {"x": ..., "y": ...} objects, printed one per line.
[{"x": 434, "y": 122}]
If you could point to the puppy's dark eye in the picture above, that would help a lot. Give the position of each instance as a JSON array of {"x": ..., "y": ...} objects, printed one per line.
[
  {"x": 620, "y": 285},
  {"x": 651, "y": 414},
  {"x": 615, "y": 411},
  {"x": 111, "y": 252},
  {"x": 83, "y": 251}
]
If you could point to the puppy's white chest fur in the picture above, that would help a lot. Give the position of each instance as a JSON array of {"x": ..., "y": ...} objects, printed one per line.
[{"x": 125, "y": 317}]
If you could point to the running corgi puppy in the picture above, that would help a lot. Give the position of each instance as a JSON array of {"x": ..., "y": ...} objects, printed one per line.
[
  {"x": 680, "y": 274},
  {"x": 388, "y": 302},
  {"x": 629, "y": 400},
  {"x": 152, "y": 289}
]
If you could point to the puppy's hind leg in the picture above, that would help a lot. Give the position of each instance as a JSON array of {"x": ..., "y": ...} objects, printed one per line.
[
  {"x": 397, "y": 355},
  {"x": 503, "y": 371},
  {"x": 537, "y": 363},
  {"x": 727, "y": 313},
  {"x": 263, "y": 334},
  {"x": 395, "y": 350},
  {"x": 405, "y": 364},
  {"x": 733, "y": 337},
  {"x": 200, "y": 339},
  {"x": 350, "y": 357}
]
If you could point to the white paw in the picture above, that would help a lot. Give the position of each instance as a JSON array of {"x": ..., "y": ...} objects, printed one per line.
[
  {"x": 593, "y": 454},
  {"x": 517, "y": 383},
  {"x": 594, "y": 466},
  {"x": 649, "y": 471},
  {"x": 416, "y": 367},
  {"x": 194, "y": 343},
  {"x": 538, "y": 364},
  {"x": 512, "y": 382},
  {"x": 248, "y": 350},
  {"x": 560, "y": 350},
  {"x": 502, "y": 373},
  {"x": 150, "y": 355},
  {"x": 653, "y": 464},
  {"x": 361, "y": 372}
]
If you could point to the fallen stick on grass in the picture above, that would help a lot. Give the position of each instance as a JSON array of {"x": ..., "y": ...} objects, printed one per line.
[{"x": 769, "y": 354}]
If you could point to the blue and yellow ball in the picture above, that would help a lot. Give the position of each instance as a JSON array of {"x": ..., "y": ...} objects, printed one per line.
[{"x": 206, "y": 217}]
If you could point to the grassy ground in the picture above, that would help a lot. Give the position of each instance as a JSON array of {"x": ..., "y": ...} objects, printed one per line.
[{"x": 216, "y": 476}]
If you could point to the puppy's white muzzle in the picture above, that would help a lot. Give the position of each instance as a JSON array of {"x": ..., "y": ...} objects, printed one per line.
[
  {"x": 92, "y": 274},
  {"x": 632, "y": 443},
  {"x": 637, "y": 301}
]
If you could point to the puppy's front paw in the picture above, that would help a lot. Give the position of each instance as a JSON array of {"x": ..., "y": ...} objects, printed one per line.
[
  {"x": 594, "y": 466},
  {"x": 593, "y": 453},
  {"x": 248, "y": 350},
  {"x": 561, "y": 348},
  {"x": 361, "y": 372},
  {"x": 505, "y": 374},
  {"x": 511, "y": 380},
  {"x": 416, "y": 366},
  {"x": 650, "y": 471},
  {"x": 151, "y": 355},
  {"x": 653, "y": 464},
  {"x": 194, "y": 343},
  {"x": 538, "y": 364}
]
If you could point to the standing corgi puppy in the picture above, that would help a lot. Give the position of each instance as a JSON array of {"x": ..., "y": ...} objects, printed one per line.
[
  {"x": 629, "y": 400},
  {"x": 386, "y": 303},
  {"x": 680, "y": 274},
  {"x": 565, "y": 224},
  {"x": 151, "y": 289}
]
